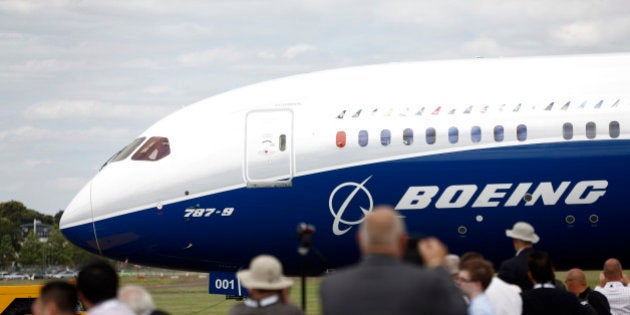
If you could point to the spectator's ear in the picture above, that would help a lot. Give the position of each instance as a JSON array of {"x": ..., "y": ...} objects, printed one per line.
[{"x": 529, "y": 275}]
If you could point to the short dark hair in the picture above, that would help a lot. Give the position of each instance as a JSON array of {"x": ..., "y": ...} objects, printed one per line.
[
  {"x": 98, "y": 281},
  {"x": 469, "y": 255},
  {"x": 540, "y": 267},
  {"x": 61, "y": 293},
  {"x": 480, "y": 270}
]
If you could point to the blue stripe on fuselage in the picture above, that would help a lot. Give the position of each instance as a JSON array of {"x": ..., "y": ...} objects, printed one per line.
[{"x": 264, "y": 220}]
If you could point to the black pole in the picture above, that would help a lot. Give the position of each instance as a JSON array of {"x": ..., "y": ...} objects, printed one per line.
[
  {"x": 304, "y": 234},
  {"x": 304, "y": 283}
]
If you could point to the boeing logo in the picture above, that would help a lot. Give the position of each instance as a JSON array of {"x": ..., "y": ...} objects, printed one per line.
[
  {"x": 512, "y": 195},
  {"x": 338, "y": 213},
  {"x": 461, "y": 196}
]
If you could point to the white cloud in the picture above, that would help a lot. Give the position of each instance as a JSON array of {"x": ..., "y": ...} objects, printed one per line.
[
  {"x": 578, "y": 34},
  {"x": 592, "y": 33},
  {"x": 297, "y": 50},
  {"x": 210, "y": 56},
  {"x": 24, "y": 133},
  {"x": 266, "y": 55},
  {"x": 32, "y": 6},
  {"x": 71, "y": 184},
  {"x": 483, "y": 46},
  {"x": 29, "y": 134},
  {"x": 35, "y": 163},
  {"x": 158, "y": 90},
  {"x": 64, "y": 109},
  {"x": 46, "y": 66},
  {"x": 185, "y": 30},
  {"x": 143, "y": 64}
]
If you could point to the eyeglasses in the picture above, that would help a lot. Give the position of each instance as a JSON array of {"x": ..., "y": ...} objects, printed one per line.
[{"x": 462, "y": 279}]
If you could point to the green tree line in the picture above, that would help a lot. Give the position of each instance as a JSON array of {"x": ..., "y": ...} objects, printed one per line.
[{"x": 30, "y": 251}]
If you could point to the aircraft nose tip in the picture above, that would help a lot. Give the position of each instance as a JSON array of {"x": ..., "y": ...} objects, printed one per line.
[{"x": 79, "y": 211}]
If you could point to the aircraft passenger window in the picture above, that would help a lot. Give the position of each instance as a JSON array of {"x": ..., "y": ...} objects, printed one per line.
[
  {"x": 613, "y": 129},
  {"x": 341, "y": 139},
  {"x": 363, "y": 138},
  {"x": 430, "y": 135},
  {"x": 386, "y": 137},
  {"x": 283, "y": 143},
  {"x": 567, "y": 131},
  {"x": 591, "y": 130},
  {"x": 453, "y": 135},
  {"x": 475, "y": 134},
  {"x": 408, "y": 136},
  {"x": 154, "y": 149},
  {"x": 521, "y": 132},
  {"x": 498, "y": 133}
]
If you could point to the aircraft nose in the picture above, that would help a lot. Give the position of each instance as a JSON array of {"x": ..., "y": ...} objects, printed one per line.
[{"x": 76, "y": 221}]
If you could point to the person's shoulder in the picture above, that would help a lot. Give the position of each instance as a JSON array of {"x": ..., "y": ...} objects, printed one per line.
[
  {"x": 509, "y": 261},
  {"x": 238, "y": 309},
  {"x": 287, "y": 309}
]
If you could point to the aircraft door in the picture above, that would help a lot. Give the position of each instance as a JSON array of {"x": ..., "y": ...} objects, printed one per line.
[{"x": 269, "y": 148}]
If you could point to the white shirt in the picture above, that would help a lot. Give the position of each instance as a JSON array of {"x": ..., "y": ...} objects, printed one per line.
[
  {"x": 481, "y": 305},
  {"x": 618, "y": 297},
  {"x": 110, "y": 307},
  {"x": 505, "y": 297}
]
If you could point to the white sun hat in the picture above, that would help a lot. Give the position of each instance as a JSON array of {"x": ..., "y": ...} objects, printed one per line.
[
  {"x": 523, "y": 231},
  {"x": 265, "y": 272}
]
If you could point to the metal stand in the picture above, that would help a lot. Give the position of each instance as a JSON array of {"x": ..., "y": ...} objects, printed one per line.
[{"x": 305, "y": 234}]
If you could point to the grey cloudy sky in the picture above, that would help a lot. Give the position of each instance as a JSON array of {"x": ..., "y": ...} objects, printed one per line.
[{"x": 81, "y": 79}]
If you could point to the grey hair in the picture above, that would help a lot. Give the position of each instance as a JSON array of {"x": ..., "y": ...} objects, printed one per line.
[
  {"x": 371, "y": 237},
  {"x": 137, "y": 299}
]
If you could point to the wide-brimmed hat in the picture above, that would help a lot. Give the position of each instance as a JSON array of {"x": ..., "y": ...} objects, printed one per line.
[
  {"x": 523, "y": 231},
  {"x": 265, "y": 272}
]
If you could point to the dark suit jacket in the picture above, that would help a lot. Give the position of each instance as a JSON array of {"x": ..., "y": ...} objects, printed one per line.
[
  {"x": 598, "y": 301},
  {"x": 514, "y": 270},
  {"x": 551, "y": 301},
  {"x": 385, "y": 285}
]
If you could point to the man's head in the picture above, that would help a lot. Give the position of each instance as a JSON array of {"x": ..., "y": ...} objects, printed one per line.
[
  {"x": 136, "y": 298},
  {"x": 264, "y": 277},
  {"x": 474, "y": 276},
  {"x": 613, "y": 270},
  {"x": 56, "y": 297},
  {"x": 523, "y": 235},
  {"x": 576, "y": 281},
  {"x": 383, "y": 232},
  {"x": 540, "y": 267},
  {"x": 97, "y": 282}
]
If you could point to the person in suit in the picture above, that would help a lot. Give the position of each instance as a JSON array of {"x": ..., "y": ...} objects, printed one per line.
[
  {"x": 544, "y": 297},
  {"x": 514, "y": 270},
  {"x": 576, "y": 284},
  {"x": 381, "y": 283}
]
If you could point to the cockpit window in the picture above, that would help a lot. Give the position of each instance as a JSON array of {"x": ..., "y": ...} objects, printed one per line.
[
  {"x": 154, "y": 149},
  {"x": 124, "y": 153}
]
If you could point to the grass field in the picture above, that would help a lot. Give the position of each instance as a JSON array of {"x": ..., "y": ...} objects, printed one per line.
[{"x": 188, "y": 295}]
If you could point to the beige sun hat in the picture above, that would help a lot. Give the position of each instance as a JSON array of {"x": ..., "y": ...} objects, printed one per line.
[
  {"x": 523, "y": 231},
  {"x": 265, "y": 272}
]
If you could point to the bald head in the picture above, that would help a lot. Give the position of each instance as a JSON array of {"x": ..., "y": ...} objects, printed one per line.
[
  {"x": 576, "y": 281},
  {"x": 383, "y": 232},
  {"x": 577, "y": 275},
  {"x": 613, "y": 270}
]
